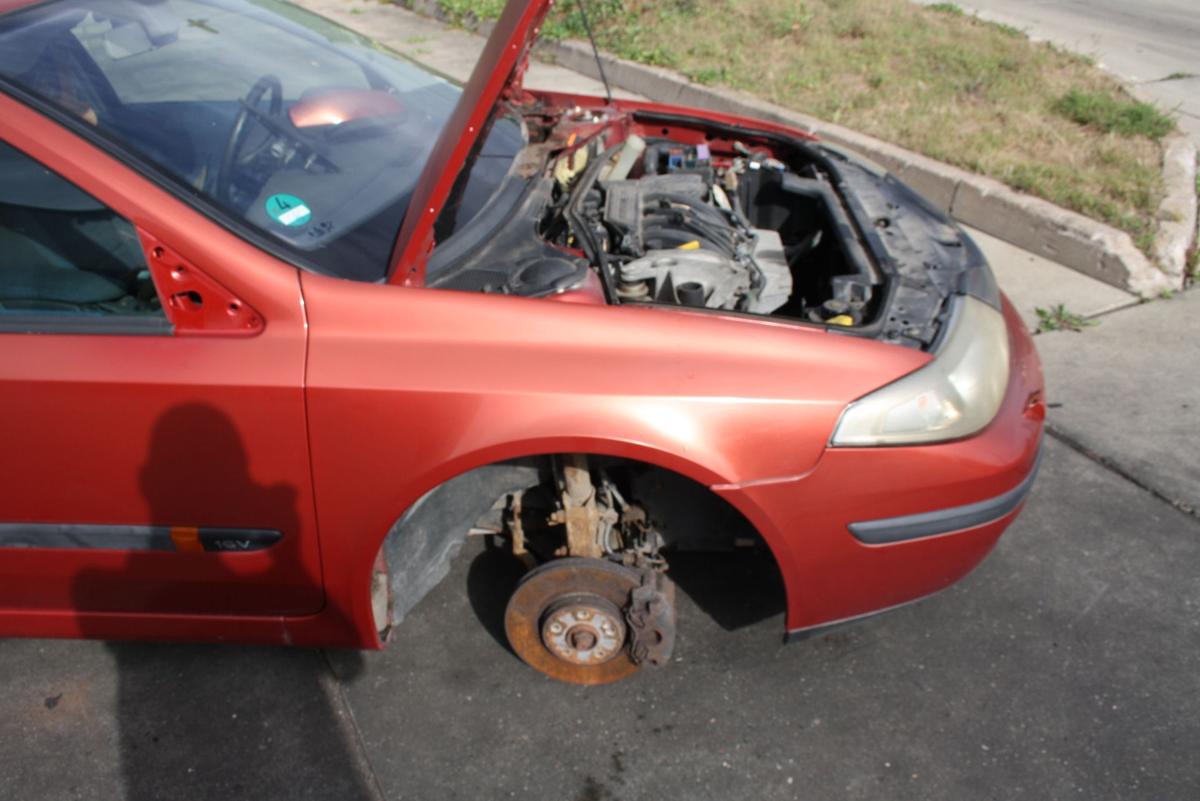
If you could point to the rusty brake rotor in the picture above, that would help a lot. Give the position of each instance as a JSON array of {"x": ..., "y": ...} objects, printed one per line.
[{"x": 567, "y": 620}]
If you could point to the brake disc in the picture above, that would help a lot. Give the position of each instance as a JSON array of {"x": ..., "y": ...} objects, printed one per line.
[{"x": 569, "y": 620}]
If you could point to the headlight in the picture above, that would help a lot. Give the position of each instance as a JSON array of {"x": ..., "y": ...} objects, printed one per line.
[{"x": 954, "y": 396}]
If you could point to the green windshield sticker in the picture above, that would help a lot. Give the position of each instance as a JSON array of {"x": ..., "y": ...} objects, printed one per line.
[{"x": 288, "y": 210}]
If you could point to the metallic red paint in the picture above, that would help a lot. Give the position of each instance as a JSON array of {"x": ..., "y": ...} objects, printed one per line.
[
  {"x": 500, "y": 69},
  {"x": 471, "y": 379},
  {"x": 120, "y": 429},
  {"x": 179, "y": 283},
  {"x": 361, "y": 397},
  {"x": 678, "y": 133},
  {"x": 13, "y": 5},
  {"x": 830, "y": 575}
]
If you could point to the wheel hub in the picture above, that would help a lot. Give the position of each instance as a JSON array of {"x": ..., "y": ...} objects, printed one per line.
[
  {"x": 567, "y": 620},
  {"x": 584, "y": 630}
]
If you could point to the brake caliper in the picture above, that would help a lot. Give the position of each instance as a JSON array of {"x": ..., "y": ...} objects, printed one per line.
[{"x": 651, "y": 619}]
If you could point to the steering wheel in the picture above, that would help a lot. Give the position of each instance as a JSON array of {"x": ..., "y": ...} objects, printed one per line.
[{"x": 234, "y": 157}]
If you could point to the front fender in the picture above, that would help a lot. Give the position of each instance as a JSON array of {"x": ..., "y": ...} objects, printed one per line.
[{"x": 408, "y": 388}]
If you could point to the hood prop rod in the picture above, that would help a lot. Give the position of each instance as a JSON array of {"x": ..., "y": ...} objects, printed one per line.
[{"x": 587, "y": 26}]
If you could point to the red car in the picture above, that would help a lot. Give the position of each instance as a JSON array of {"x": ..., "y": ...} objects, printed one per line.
[{"x": 284, "y": 318}]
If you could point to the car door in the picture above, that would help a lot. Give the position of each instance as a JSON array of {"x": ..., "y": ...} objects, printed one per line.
[{"x": 154, "y": 455}]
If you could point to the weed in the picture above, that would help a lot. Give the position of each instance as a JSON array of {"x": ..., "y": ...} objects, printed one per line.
[
  {"x": 708, "y": 75},
  {"x": 789, "y": 19},
  {"x": 1110, "y": 114},
  {"x": 1058, "y": 318},
  {"x": 1007, "y": 30},
  {"x": 851, "y": 28},
  {"x": 1193, "y": 261},
  {"x": 461, "y": 11},
  {"x": 947, "y": 8}
]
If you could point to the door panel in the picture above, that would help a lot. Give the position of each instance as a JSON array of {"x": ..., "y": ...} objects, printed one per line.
[{"x": 168, "y": 471}]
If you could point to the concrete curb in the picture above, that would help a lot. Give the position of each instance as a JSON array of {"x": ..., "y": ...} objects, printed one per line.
[
  {"x": 1092, "y": 248},
  {"x": 1177, "y": 215}
]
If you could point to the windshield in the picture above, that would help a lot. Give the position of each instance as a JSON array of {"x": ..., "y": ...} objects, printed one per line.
[{"x": 291, "y": 124}]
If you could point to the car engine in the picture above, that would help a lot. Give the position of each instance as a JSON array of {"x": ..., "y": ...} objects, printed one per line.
[
  {"x": 655, "y": 208},
  {"x": 737, "y": 230},
  {"x": 708, "y": 223},
  {"x": 679, "y": 239}
]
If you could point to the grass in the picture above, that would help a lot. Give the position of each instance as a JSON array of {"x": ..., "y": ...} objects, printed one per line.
[
  {"x": 1108, "y": 114},
  {"x": 933, "y": 79},
  {"x": 1058, "y": 318},
  {"x": 947, "y": 8},
  {"x": 1193, "y": 267}
]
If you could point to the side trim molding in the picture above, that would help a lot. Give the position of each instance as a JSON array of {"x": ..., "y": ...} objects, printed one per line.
[
  {"x": 943, "y": 521},
  {"x": 72, "y": 536}
]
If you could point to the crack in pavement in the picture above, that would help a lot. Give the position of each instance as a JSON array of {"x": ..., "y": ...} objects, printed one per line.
[
  {"x": 335, "y": 693},
  {"x": 1117, "y": 469}
]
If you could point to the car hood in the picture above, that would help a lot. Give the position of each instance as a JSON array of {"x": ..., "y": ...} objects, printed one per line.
[{"x": 498, "y": 74}]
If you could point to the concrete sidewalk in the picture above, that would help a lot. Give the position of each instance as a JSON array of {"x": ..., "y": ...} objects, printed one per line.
[{"x": 1128, "y": 392}]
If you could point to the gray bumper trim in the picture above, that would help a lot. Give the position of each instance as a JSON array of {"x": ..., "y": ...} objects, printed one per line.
[
  {"x": 943, "y": 521},
  {"x": 799, "y": 635}
]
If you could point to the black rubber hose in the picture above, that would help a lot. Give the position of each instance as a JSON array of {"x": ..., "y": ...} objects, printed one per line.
[{"x": 699, "y": 206}]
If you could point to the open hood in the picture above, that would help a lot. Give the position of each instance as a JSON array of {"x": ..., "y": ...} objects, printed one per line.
[{"x": 498, "y": 74}]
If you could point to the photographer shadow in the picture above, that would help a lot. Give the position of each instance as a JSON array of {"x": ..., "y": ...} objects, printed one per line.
[{"x": 219, "y": 721}]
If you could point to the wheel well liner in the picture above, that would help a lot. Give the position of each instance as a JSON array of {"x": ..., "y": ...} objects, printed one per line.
[
  {"x": 421, "y": 545},
  {"x": 424, "y": 541}
]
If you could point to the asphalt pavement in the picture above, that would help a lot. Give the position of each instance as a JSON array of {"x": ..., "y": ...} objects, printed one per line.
[{"x": 1066, "y": 666}]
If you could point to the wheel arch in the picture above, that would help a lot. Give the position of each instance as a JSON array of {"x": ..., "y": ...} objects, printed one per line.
[{"x": 424, "y": 539}]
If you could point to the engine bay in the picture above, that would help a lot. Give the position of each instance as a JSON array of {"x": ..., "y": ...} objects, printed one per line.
[
  {"x": 650, "y": 208},
  {"x": 738, "y": 232},
  {"x": 700, "y": 225}
]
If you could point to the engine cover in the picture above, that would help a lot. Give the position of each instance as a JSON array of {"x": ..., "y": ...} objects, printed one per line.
[
  {"x": 711, "y": 280},
  {"x": 674, "y": 274}
]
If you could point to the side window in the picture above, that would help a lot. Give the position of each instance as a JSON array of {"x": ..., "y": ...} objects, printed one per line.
[{"x": 65, "y": 256}]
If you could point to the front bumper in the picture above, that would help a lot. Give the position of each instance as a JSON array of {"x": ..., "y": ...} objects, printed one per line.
[
  {"x": 871, "y": 529},
  {"x": 945, "y": 521}
]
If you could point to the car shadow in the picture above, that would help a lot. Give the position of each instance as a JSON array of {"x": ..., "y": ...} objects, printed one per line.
[
  {"x": 217, "y": 721},
  {"x": 491, "y": 578},
  {"x": 735, "y": 590}
]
